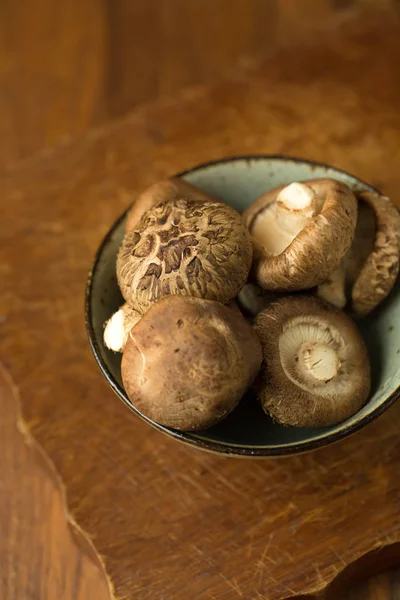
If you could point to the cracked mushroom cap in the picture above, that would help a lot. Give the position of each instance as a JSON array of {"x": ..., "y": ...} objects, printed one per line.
[
  {"x": 301, "y": 232},
  {"x": 188, "y": 362},
  {"x": 370, "y": 268},
  {"x": 316, "y": 368},
  {"x": 184, "y": 247},
  {"x": 117, "y": 328},
  {"x": 162, "y": 191}
]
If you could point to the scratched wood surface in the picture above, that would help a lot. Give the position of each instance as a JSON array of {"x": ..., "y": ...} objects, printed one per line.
[{"x": 169, "y": 521}]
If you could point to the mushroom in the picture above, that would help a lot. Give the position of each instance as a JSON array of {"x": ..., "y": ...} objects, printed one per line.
[
  {"x": 188, "y": 362},
  {"x": 316, "y": 368},
  {"x": 169, "y": 189},
  {"x": 118, "y": 327},
  {"x": 184, "y": 247},
  {"x": 301, "y": 232},
  {"x": 369, "y": 270},
  {"x": 252, "y": 299}
]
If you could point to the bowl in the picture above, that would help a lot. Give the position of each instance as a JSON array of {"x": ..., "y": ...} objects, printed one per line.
[{"x": 248, "y": 431}]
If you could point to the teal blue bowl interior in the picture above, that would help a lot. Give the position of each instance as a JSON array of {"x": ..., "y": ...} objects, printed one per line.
[{"x": 247, "y": 430}]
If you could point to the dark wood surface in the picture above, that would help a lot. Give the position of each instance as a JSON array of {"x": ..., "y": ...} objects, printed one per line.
[
  {"x": 45, "y": 98},
  {"x": 68, "y": 66},
  {"x": 39, "y": 560},
  {"x": 168, "y": 521}
]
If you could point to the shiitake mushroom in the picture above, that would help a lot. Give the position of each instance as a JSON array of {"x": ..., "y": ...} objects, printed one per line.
[
  {"x": 301, "y": 233},
  {"x": 163, "y": 191},
  {"x": 183, "y": 253},
  {"x": 369, "y": 270},
  {"x": 184, "y": 247},
  {"x": 188, "y": 362},
  {"x": 316, "y": 369}
]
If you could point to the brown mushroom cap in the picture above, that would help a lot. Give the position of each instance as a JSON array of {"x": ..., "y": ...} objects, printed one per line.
[
  {"x": 233, "y": 305},
  {"x": 188, "y": 362},
  {"x": 316, "y": 369},
  {"x": 379, "y": 272},
  {"x": 370, "y": 268},
  {"x": 163, "y": 191},
  {"x": 320, "y": 234},
  {"x": 117, "y": 328},
  {"x": 184, "y": 247}
]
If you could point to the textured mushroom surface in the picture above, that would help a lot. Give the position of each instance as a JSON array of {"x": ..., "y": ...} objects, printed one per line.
[
  {"x": 316, "y": 369},
  {"x": 117, "y": 328},
  {"x": 370, "y": 268},
  {"x": 302, "y": 231},
  {"x": 185, "y": 247},
  {"x": 163, "y": 191},
  {"x": 188, "y": 362}
]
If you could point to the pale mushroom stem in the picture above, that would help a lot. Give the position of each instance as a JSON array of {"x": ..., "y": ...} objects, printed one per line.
[
  {"x": 333, "y": 289},
  {"x": 118, "y": 327},
  {"x": 296, "y": 204},
  {"x": 114, "y": 333},
  {"x": 320, "y": 361}
]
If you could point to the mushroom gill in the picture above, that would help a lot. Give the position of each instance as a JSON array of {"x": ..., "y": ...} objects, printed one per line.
[
  {"x": 316, "y": 369},
  {"x": 313, "y": 354}
]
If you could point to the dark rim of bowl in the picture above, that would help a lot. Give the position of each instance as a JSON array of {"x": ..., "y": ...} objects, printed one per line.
[{"x": 187, "y": 437}]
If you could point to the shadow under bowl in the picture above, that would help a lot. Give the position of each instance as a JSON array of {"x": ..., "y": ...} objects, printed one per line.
[{"x": 248, "y": 431}]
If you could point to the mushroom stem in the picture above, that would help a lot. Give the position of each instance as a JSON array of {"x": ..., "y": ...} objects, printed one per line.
[
  {"x": 114, "y": 333},
  {"x": 118, "y": 327},
  {"x": 333, "y": 289},
  {"x": 320, "y": 361},
  {"x": 296, "y": 204}
]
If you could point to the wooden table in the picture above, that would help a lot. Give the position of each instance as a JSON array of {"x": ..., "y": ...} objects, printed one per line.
[{"x": 60, "y": 74}]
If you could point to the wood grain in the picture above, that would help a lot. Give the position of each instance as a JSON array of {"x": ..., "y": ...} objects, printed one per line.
[
  {"x": 168, "y": 521},
  {"x": 62, "y": 70},
  {"x": 38, "y": 557},
  {"x": 65, "y": 67}
]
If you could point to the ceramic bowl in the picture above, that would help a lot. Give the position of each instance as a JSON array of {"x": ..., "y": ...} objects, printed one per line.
[{"x": 247, "y": 431}]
